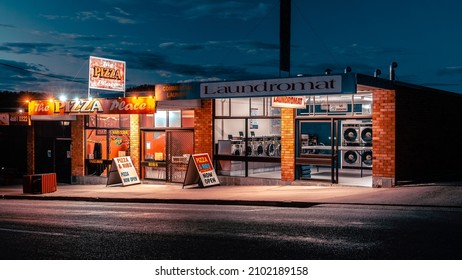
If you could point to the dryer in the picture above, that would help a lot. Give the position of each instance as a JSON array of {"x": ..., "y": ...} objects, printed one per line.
[
  {"x": 351, "y": 133},
  {"x": 350, "y": 158},
  {"x": 366, "y": 134},
  {"x": 366, "y": 158}
]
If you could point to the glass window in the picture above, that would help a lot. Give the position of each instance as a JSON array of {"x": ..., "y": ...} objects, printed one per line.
[
  {"x": 147, "y": 120},
  {"x": 119, "y": 143},
  {"x": 160, "y": 119},
  {"x": 240, "y": 107},
  {"x": 154, "y": 145},
  {"x": 187, "y": 118},
  {"x": 174, "y": 118},
  {"x": 257, "y": 107},
  {"x": 265, "y": 170},
  {"x": 91, "y": 121},
  {"x": 229, "y": 129},
  {"x": 108, "y": 120},
  {"x": 261, "y": 140},
  {"x": 125, "y": 120},
  {"x": 222, "y": 107},
  {"x": 96, "y": 143}
]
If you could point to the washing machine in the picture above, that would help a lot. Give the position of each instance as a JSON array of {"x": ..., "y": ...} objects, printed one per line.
[
  {"x": 351, "y": 158},
  {"x": 351, "y": 133},
  {"x": 366, "y": 158},
  {"x": 366, "y": 134}
]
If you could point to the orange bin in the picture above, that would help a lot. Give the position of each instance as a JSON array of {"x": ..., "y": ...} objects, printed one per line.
[{"x": 39, "y": 183}]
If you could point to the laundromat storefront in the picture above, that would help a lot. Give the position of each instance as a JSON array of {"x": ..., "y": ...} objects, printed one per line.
[
  {"x": 283, "y": 128},
  {"x": 354, "y": 129}
]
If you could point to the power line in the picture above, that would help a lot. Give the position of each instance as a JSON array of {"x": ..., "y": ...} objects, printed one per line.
[{"x": 41, "y": 74}]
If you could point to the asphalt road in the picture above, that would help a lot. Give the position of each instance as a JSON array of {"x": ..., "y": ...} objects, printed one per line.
[{"x": 31, "y": 229}]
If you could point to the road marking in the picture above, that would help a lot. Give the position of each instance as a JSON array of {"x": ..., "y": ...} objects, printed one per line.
[{"x": 37, "y": 232}]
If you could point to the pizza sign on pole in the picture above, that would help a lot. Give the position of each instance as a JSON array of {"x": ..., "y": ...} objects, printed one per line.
[
  {"x": 106, "y": 74},
  {"x": 122, "y": 172},
  {"x": 200, "y": 171}
]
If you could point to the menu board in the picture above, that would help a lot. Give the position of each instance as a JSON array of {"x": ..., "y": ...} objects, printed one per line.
[
  {"x": 200, "y": 171},
  {"x": 122, "y": 173}
]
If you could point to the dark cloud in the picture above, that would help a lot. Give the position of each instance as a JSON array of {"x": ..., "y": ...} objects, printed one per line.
[
  {"x": 237, "y": 9},
  {"x": 117, "y": 14},
  {"x": 244, "y": 46},
  {"x": 71, "y": 36},
  {"x": 362, "y": 52},
  {"x": 183, "y": 46},
  {"x": 158, "y": 62},
  {"x": 30, "y": 76},
  {"x": 30, "y": 48},
  {"x": 7, "y": 25},
  {"x": 449, "y": 71},
  {"x": 14, "y": 73}
]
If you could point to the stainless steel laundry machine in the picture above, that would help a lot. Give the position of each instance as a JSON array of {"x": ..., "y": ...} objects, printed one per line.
[
  {"x": 366, "y": 158},
  {"x": 351, "y": 158},
  {"x": 351, "y": 133},
  {"x": 366, "y": 134}
]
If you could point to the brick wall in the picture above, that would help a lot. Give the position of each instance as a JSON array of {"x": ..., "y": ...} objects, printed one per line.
[
  {"x": 135, "y": 142},
  {"x": 384, "y": 140},
  {"x": 287, "y": 144},
  {"x": 203, "y": 132},
  {"x": 78, "y": 149}
]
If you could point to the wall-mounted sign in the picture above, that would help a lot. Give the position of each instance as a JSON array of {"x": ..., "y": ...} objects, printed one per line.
[
  {"x": 338, "y": 107},
  {"x": 126, "y": 105},
  {"x": 106, "y": 74},
  {"x": 122, "y": 172},
  {"x": 14, "y": 119},
  {"x": 298, "y": 102},
  {"x": 200, "y": 171},
  {"x": 327, "y": 84},
  {"x": 177, "y": 91}
]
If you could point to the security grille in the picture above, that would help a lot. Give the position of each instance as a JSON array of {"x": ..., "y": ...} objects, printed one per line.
[{"x": 180, "y": 145}]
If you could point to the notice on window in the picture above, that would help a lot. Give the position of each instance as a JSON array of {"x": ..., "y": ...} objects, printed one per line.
[
  {"x": 122, "y": 173},
  {"x": 200, "y": 171}
]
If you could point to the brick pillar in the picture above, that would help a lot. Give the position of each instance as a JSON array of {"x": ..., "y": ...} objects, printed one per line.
[
  {"x": 135, "y": 150},
  {"x": 30, "y": 149},
  {"x": 77, "y": 147},
  {"x": 287, "y": 144},
  {"x": 383, "y": 143},
  {"x": 203, "y": 132}
]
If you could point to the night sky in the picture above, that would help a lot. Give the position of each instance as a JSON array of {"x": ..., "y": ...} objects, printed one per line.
[{"x": 201, "y": 40}]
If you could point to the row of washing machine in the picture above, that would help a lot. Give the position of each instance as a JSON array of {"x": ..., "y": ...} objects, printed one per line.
[{"x": 356, "y": 144}]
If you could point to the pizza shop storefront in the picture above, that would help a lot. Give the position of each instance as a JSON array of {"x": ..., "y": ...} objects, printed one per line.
[{"x": 77, "y": 139}]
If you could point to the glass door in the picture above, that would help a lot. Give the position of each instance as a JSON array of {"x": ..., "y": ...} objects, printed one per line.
[
  {"x": 317, "y": 153},
  {"x": 180, "y": 145}
]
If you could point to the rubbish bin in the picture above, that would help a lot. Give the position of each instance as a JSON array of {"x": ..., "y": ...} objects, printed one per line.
[
  {"x": 36, "y": 184},
  {"x": 39, "y": 183}
]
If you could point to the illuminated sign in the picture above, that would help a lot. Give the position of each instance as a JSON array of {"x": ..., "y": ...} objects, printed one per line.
[
  {"x": 127, "y": 105},
  {"x": 298, "y": 102},
  {"x": 177, "y": 91},
  {"x": 327, "y": 84},
  {"x": 106, "y": 74}
]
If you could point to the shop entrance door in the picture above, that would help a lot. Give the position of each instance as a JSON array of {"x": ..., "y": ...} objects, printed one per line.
[
  {"x": 180, "y": 144},
  {"x": 62, "y": 160},
  {"x": 317, "y": 152}
]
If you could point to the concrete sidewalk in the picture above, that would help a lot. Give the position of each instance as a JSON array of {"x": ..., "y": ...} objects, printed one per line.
[{"x": 435, "y": 195}]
